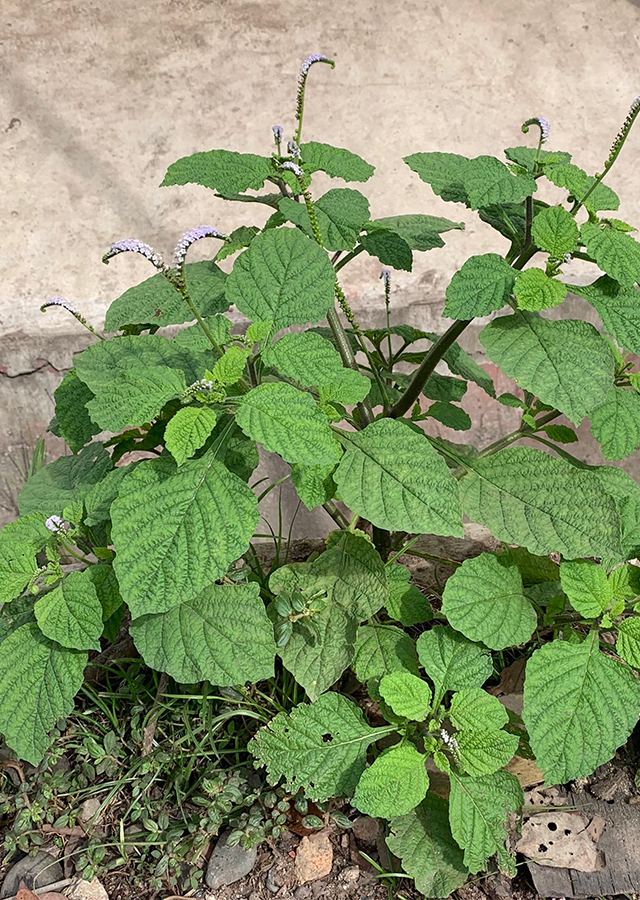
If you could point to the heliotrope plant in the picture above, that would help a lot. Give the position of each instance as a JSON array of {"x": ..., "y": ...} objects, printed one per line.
[{"x": 350, "y": 409}]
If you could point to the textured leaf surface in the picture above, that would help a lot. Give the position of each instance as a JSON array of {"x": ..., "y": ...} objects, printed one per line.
[
  {"x": 156, "y": 301},
  {"x": 340, "y": 214},
  {"x": 451, "y": 661},
  {"x": 284, "y": 277},
  {"x": 38, "y": 681},
  {"x": 444, "y": 388},
  {"x": 406, "y": 603},
  {"x": 579, "y": 707},
  {"x": 460, "y": 363},
  {"x": 618, "y": 307},
  {"x": 230, "y": 367},
  {"x": 394, "y": 478},
  {"x": 64, "y": 481},
  {"x": 313, "y": 361},
  {"x": 547, "y": 505},
  {"x": 382, "y": 649},
  {"x": 484, "y": 600},
  {"x": 450, "y": 415},
  {"x": 314, "y": 484},
  {"x": 358, "y": 573},
  {"x": 335, "y": 161},
  {"x": 628, "y": 643},
  {"x": 389, "y": 247},
  {"x": 194, "y": 338},
  {"x": 419, "y": 231},
  {"x": 473, "y": 709},
  {"x": 484, "y": 752},
  {"x": 71, "y": 613},
  {"x": 289, "y": 422},
  {"x": 19, "y": 543},
  {"x": 483, "y": 284},
  {"x": 106, "y": 584},
  {"x": 97, "y": 502},
  {"x": 616, "y": 253},
  {"x": 75, "y": 425},
  {"x": 586, "y": 585},
  {"x": 616, "y": 423},
  {"x": 135, "y": 397},
  {"x": 478, "y": 809},
  {"x": 320, "y": 746},
  {"x": 407, "y": 695},
  {"x": 188, "y": 430},
  {"x": 422, "y": 840},
  {"x": 394, "y": 784},
  {"x": 222, "y": 635},
  {"x": 555, "y": 231},
  {"x": 566, "y": 364},
  {"x": 221, "y": 170},
  {"x": 176, "y": 531},
  {"x": 577, "y": 182},
  {"x": 535, "y": 291}
]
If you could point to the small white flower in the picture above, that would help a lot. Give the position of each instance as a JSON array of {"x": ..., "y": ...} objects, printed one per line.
[{"x": 55, "y": 524}]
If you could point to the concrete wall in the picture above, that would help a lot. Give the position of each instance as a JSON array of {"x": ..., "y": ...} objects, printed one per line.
[{"x": 99, "y": 98}]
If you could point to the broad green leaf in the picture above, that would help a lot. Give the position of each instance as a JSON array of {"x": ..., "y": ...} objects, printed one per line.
[
  {"x": 460, "y": 363},
  {"x": 544, "y": 504},
  {"x": 38, "y": 682},
  {"x": 135, "y": 397},
  {"x": 106, "y": 584},
  {"x": 393, "y": 477},
  {"x": 423, "y": 841},
  {"x": 484, "y": 600},
  {"x": 349, "y": 387},
  {"x": 284, "y": 277},
  {"x": 445, "y": 172},
  {"x": 616, "y": 253},
  {"x": 586, "y": 585},
  {"x": 579, "y": 707},
  {"x": 394, "y": 784},
  {"x": 156, "y": 302},
  {"x": 577, "y": 182},
  {"x": 240, "y": 452},
  {"x": 289, "y": 422},
  {"x": 340, "y": 214},
  {"x": 482, "y": 285},
  {"x": 444, "y": 388},
  {"x": 451, "y": 661},
  {"x": 98, "y": 501},
  {"x": 336, "y": 162},
  {"x": 419, "y": 231},
  {"x": 562, "y": 434},
  {"x": 406, "y": 603},
  {"x": 618, "y": 307},
  {"x": 615, "y": 423},
  {"x": 74, "y": 422},
  {"x": 238, "y": 239},
  {"x": 222, "y": 635},
  {"x": 358, "y": 573},
  {"x": 221, "y": 170},
  {"x": 555, "y": 231},
  {"x": 382, "y": 649},
  {"x": 531, "y": 158},
  {"x": 567, "y": 364},
  {"x": 478, "y": 810},
  {"x": 484, "y": 752},
  {"x": 473, "y": 709},
  {"x": 536, "y": 291},
  {"x": 314, "y": 484},
  {"x": 407, "y": 695},
  {"x": 230, "y": 367},
  {"x": 188, "y": 430},
  {"x": 534, "y": 569},
  {"x": 625, "y": 583},
  {"x": 16, "y": 614},
  {"x": 176, "y": 531},
  {"x": 194, "y": 338},
  {"x": 19, "y": 543},
  {"x": 64, "y": 481},
  {"x": 258, "y": 331},
  {"x": 320, "y": 746},
  {"x": 389, "y": 247},
  {"x": 71, "y": 613},
  {"x": 628, "y": 643},
  {"x": 452, "y": 416}
]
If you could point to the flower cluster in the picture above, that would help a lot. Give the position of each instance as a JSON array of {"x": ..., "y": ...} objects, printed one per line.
[
  {"x": 132, "y": 245},
  {"x": 293, "y": 167},
  {"x": 278, "y": 133},
  {"x": 60, "y": 301},
  {"x": 543, "y": 125},
  {"x": 55, "y": 524},
  {"x": 621, "y": 136},
  {"x": 309, "y": 61},
  {"x": 385, "y": 274},
  {"x": 189, "y": 238}
]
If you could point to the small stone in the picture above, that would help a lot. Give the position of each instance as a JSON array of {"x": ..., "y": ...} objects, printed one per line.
[
  {"x": 314, "y": 858},
  {"x": 87, "y": 890},
  {"x": 229, "y": 864},
  {"x": 350, "y": 875},
  {"x": 273, "y": 881},
  {"x": 89, "y": 809},
  {"x": 36, "y": 871},
  {"x": 303, "y": 892},
  {"x": 366, "y": 830}
]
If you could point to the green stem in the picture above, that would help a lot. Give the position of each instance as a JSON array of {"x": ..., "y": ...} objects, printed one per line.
[
  {"x": 185, "y": 293},
  {"x": 338, "y": 517},
  {"x": 347, "y": 259}
]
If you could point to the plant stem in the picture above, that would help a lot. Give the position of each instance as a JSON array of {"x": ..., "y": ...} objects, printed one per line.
[
  {"x": 185, "y": 293},
  {"x": 348, "y": 359},
  {"x": 338, "y": 517},
  {"x": 348, "y": 258}
]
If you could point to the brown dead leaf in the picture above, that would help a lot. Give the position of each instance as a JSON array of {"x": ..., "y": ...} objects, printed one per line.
[
  {"x": 526, "y": 771},
  {"x": 314, "y": 857},
  {"x": 25, "y": 894},
  {"x": 563, "y": 840},
  {"x": 511, "y": 680}
]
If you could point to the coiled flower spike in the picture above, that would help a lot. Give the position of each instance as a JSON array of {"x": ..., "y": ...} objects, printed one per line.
[
  {"x": 131, "y": 245},
  {"x": 543, "y": 125}
]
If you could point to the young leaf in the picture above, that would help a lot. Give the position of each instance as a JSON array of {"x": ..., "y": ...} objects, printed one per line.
[
  {"x": 176, "y": 531},
  {"x": 75, "y": 425},
  {"x": 484, "y": 752},
  {"x": 577, "y": 182},
  {"x": 615, "y": 423},
  {"x": 222, "y": 635},
  {"x": 450, "y": 415},
  {"x": 460, "y": 363},
  {"x": 394, "y": 478},
  {"x": 616, "y": 253},
  {"x": 394, "y": 785},
  {"x": 320, "y": 746},
  {"x": 531, "y": 157},
  {"x": 358, "y": 574},
  {"x": 618, "y": 307},
  {"x": 483, "y": 284},
  {"x": 562, "y": 434},
  {"x": 406, "y": 602},
  {"x": 579, "y": 707},
  {"x": 422, "y": 840},
  {"x": 284, "y": 277},
  {"x": 135, "y": 397},
  {"x": 19, "y": 543},
  {"x": 340, "y": 214},
  {"x": 547, "y": 505},
  {"x": 221, "y": 170},
  {"x": 64, "y": 481},
  {"x": 478, "y": 182},
  {"x": 555, "y": 231},
  {"x": 336, "y": 162},
  {"x": 230, "y": 367},
  {"x": 188, "y": 430},
  {"x": 238, "y": 239},
  {"x": 388, "y": 246},
  {"x": 444, "y": 388},
  {"x": 451, "y": 661},
  {"x": 407, "y": 695},
  {"x": 473, "y": 709},
  {"x": 314, "y": 484},
  {"x": 71, "y": 613},
  {"x": 586, "y": 585},
  {"x": 38, "y": 682},
  {"x": 628, "y": 643},
  {"x": 478, "y": 809},
  {"x": 536, "y": 291},
  {"x": 567, "y": 364},
  {"x": 483, "y": 599},
  {"x": 382, "y": 649},
  {"x": 289, "y": 422},
  {"x": 625, "y": 583}
]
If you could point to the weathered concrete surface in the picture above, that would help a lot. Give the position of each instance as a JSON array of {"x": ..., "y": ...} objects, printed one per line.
[{"x": 98, "y": 99}]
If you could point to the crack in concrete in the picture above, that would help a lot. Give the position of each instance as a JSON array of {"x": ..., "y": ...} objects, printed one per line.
[{"x": 43, "y": 364}]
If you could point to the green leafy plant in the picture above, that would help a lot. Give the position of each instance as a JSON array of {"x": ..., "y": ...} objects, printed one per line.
[{"x": 155, "y": 500}]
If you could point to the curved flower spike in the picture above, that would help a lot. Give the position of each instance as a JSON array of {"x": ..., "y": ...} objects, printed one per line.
[
  {"x": 543, "y": 125},
  {"x": 385, "y": 274},
  {"x": 134, "y": 246},
  {"x": 278, "y": 133},
  {"x": 293, "y": 167},
  {"x": 189, "y": 238},
  {"x": 64, "y": 304},
  {"x": 309, "y": 61}
]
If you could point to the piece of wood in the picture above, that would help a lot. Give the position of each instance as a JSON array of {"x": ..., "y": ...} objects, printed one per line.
[{"x": 620, "y": 844}]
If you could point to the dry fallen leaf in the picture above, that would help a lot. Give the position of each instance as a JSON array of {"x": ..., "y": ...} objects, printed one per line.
[
  {"x": 563, "y": 840},
  {"x": 25, "y": 894}
]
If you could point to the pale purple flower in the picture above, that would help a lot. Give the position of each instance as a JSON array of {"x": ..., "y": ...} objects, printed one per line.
[
  {"x": 293, "y": 150},
  {"x": 293, "y": 167},
  {"x": 309, "y": 61},
  {"x": 55, "y": 524},
  {"x": 134, "y": 246},
  {"x": 385, "y": 274},
  {"x": 60, "y": 301},
  {"x": 189, "y": 238},
  {"x": 545, "y": 129},
  {"x": 278, "y": 133}
]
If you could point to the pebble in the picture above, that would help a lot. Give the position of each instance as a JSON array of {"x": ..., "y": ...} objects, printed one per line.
[
  {"x": 36, "y": 871},
  {"x": 87, "y": 890},
  {"x": 273, "y": 881},
  {"x": 350, "y": 875},
  {"x": 89, "y": 809},
  {"x": 229, "y": 864},
  {"x": 366, "y": 830},
  {"x": 314, "y": 858},
  {"x": 303, "y": 892}
]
